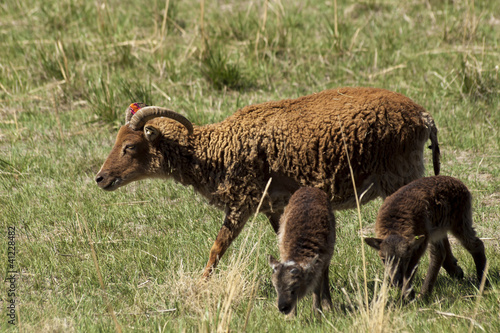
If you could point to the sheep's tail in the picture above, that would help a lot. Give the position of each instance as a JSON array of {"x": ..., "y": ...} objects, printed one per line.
[{"x": 434, "y": 142}]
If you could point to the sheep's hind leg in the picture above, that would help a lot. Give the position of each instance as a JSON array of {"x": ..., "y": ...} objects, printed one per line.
[
  {"x": 466, "y": 234},
  {"x": 476, "y": 248},
  {"x": 450, "y": 263},
  {"x": 233, "y": 224}
]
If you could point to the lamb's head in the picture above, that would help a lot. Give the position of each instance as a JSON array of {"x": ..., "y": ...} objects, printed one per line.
[
  {"x": 396, "y": 253},
  {"x": 292, "y": 281},
  {"x": 135, "y": 154}
]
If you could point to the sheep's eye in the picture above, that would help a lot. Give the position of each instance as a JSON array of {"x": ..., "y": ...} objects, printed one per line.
[{"x": 128, "y": 148}]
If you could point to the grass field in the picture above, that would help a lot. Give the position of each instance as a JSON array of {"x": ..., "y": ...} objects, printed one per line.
[{"x": 69, "y": 69}]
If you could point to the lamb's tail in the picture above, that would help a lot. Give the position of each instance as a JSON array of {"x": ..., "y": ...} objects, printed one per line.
[{"x": 434, "y": 142}]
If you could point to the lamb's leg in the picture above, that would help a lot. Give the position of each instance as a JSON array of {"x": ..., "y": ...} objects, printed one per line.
[
  {"x": 326, "y": 301},
  {"x": 477, "y": 252},
  {"x": 437, "y": 255},
  {"x": 317, "y": 292},
  {"x": 466, "y": 234},
  {"x": 233, "y": 224},
  {"x": 450, "y": 262},
  {"x": 476, "y": 248},
  {"x": 274, "y": 219},
  {"x": 410, "y": 273}
]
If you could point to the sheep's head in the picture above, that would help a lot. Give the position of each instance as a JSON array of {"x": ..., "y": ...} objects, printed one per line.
[
  {"x": 396, "y": 252},
  {"x": 133, "y": 155},
  {"x": 291, "y": 281}
]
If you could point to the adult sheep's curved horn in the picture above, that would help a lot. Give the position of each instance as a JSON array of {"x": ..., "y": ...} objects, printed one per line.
[{"x": 149, "y": 112}]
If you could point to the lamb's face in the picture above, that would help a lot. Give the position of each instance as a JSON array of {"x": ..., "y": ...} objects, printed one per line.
[
  {"x": 396, "y": 252},
  {"x": 289, "y": 280}
]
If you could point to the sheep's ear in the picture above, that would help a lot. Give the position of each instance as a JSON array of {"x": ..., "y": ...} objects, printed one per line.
[
  {"x": 417, "y": 241},
  {"x": 150, "y": 133},
  {"x": 273, "y": 262},
  {"x": 374, "y": 242},
  {"x": 311, "y": 262}
]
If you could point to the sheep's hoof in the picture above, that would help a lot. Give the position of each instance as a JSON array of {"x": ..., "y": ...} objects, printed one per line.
[
  {"x": 423, "y": 296},
  {"x": 458, "y": 273},
  {"x": 409, "y": 295},
  {"x": 326, "y": 305}
]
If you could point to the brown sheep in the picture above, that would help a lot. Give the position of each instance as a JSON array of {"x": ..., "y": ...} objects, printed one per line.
[
  {"x": 296, "y": 142},
  {"x": 422, "y": 213},
  {"x": 306, "y": 240}
]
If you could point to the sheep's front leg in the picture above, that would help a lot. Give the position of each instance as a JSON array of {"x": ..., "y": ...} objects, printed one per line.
[
  {"x": 411, "y": 271},
  {"x": 437, "y": 255},
  {"x": 317, "y": 292},
  {"x": 233, "y": 224},
  {"x": 326, "y": 299}
]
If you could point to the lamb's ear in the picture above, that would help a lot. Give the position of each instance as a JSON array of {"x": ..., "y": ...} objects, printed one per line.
[
  {"x": 273, "y": 262},
  {"x": 151, "y": 133},
  {"x": 417, "y": 241},
  {"x": 311, "y": 262},
  {"x": 374, "y": 242}
]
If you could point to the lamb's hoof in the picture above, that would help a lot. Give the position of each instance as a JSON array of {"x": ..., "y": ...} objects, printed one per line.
[
  {"x": 409, "y": 295},
  {"x": 458, "y": 273},
  {"x": 327, "y": 306},
  {"x": 424, "y": 297},
  {"x": 487, "y": 283}
]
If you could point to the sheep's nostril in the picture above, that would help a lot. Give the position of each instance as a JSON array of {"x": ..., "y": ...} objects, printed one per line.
[{"x": 99, "y": 179}]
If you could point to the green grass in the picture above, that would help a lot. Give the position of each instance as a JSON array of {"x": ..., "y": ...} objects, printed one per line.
[{"x": 68, "y": 70}]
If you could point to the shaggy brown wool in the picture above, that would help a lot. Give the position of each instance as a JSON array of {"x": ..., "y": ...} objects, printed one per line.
[
  {"x": 421, "y": 214},
  {"x": 306, "y": 240},
  {"x": 297, "y": 142}
]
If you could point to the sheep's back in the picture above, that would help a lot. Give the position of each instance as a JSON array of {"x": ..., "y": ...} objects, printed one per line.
[
  {"x": 307, "y": 226},
  {"x": 303, "y": 138},
  {"x": 423, "y": 205}
]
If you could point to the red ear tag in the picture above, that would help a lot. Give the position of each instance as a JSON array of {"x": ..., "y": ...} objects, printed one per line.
[{"x": 134, "y": 107}]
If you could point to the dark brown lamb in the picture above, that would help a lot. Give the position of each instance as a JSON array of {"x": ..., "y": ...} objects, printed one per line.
[
  {"x": 296, "y": 142},
  {"x": 306, "y": 239},
  {"x": 420, "y": 214}
]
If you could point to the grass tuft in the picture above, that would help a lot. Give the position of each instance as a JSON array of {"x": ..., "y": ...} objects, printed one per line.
[
  {"x": 220, "y": 71},
  {"x": 109, "y": 100},
  {"x": 103, "y": 101},
  {"x": 478, "y": 83}
]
